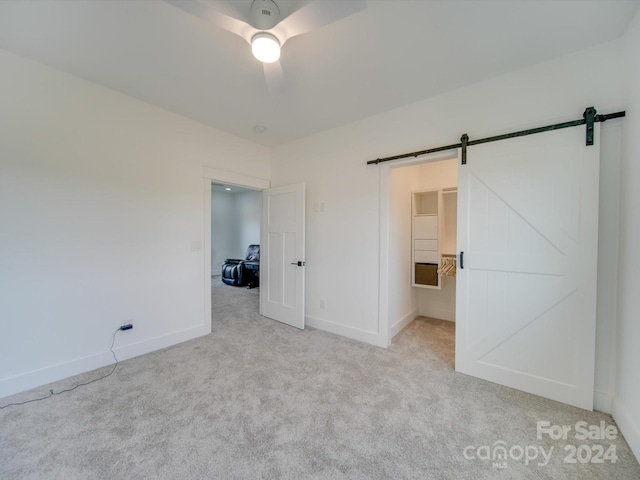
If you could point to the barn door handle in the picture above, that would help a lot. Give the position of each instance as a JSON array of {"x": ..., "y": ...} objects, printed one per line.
[
  {"x": 461, "y": 260},
  {"x": 299, "y": 264}
]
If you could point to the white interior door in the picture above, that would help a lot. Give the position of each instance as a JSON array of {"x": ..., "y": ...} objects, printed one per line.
[
  {"x": 526, "y": 297},
  {"x": 282, "y": 257}
]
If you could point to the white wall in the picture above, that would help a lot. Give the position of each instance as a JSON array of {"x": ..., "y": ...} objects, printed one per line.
[
  {"x": 235, "y": 224},
  {"x": 346, "y": 238},
  {"x": 248, "y": 211},
  {"x": 223, "y": 230},
  {"x": 403, "y": 299},
  {"x": 626, "y": 407},
  {"x": 608, "y": 259},
  {"x": 101, "y": 205}
]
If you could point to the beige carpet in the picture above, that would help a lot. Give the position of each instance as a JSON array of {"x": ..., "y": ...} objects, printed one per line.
[{"x": 257, "y": 399}]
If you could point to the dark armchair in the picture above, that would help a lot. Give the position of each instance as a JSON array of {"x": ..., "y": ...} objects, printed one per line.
[{"x": 243, "y": 272}]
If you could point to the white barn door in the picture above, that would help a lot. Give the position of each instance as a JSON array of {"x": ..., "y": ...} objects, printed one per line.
[
  {"x": 282, "y": 257},
  {"x": 526, "y": 292}
]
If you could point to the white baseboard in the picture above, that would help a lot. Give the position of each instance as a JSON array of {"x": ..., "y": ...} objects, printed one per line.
[
  {"x": 397, "y": 327},
  {"x": 344, "y": 330},
  {"x": 603, "y": 401},
  {"x": 162, "y": 341},
  {"x": 629, "y": 428},
  {"x": 440, "y": 314},
  {"x": 53, "y": 373}
]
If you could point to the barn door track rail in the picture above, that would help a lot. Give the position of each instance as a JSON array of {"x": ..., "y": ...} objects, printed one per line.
[{"x": 589, "y": 118}]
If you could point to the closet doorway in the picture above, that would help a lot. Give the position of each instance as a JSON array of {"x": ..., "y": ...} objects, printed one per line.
[
  {"x": 422, "y": 199},
  {"x": 527, "y": 240}
]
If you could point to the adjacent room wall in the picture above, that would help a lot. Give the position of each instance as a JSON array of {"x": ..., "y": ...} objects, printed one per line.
[
  {"x": 102, "y": 214},
  {"x": 626, "y": 407},
  {"x": 345, "y": 236},
  {"x": 235, "y": 224},
  {"x": 223, "y": 230},
  {"x": 248, "y": 211}
]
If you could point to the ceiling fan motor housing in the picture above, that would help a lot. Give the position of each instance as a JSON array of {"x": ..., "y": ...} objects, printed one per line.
[{"x": 265, "y": 14}]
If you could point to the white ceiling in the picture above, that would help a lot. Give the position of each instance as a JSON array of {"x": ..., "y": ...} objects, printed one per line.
[
  {"x": 391, "y": 54},
  {"x": 229, "y": 189}
]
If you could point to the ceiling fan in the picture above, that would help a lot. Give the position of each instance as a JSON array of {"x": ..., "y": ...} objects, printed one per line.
[{"x": 266, "y": 32}]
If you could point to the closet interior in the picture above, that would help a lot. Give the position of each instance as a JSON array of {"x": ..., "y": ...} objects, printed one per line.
[
  {"x": 434, "y": 230},
  {"x": 423, "y": 210}
]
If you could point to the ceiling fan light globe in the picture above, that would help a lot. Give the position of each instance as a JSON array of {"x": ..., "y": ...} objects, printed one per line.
[{"x": 265, "y": 47}]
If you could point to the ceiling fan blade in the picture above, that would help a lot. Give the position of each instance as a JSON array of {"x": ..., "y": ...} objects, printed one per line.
[
  {"x": 275, "y": 78},
  {"x": 213, "y": 16},
  {"x": 315, "y": 15}
]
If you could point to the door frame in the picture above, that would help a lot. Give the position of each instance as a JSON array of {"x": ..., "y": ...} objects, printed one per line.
[
  {"x": 214, "y": 175},
  {"x": 384, "y": 325}
]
